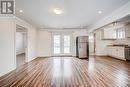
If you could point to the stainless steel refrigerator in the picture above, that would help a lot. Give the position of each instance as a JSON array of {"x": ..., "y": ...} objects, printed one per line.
[{"x": 82, "y": 47}]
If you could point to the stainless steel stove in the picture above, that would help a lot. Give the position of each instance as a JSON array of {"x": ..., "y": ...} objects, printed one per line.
[{"x": 127, "y": 52}]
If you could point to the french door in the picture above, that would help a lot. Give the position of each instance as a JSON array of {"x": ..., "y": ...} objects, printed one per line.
[{"x": 61, "y": 44}]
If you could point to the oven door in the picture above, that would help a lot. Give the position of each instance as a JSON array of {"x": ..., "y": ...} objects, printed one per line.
[{"x": 127, "y": 53}]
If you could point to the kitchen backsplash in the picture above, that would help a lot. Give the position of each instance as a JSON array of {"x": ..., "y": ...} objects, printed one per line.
[{"x": 122, "y": 41}]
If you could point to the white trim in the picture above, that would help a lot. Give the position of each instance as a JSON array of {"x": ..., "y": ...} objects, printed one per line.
[{"x": 26, "y": 49}]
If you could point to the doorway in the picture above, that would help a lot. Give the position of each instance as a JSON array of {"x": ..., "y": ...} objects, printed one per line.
[
  {"x": 61, "y": 44},
  {"x": 21, "y": 45},
  {"x": 92, "y": 43}
]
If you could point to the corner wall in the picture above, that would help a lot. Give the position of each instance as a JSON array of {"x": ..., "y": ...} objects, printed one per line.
[
  {"x": 101, "y": 45},
  {"x": 45, "y": 43},
  {"x": 8, "y": 43}
]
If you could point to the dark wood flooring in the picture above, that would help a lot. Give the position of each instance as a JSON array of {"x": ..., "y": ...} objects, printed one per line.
[{"x": 70, "y": 72}]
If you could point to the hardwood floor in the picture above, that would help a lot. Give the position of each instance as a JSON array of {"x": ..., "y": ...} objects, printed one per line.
[
  {"x": 70, "y": 72},
  {"x": 20, "y": 59}
]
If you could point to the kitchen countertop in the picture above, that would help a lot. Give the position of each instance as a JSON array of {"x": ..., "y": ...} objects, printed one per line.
[{"x": 118, "y": 45}]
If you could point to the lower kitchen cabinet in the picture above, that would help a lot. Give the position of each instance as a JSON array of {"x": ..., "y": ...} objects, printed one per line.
[
  {"x": 121, "y": 52},
  {"x": 117, "y": 52}
]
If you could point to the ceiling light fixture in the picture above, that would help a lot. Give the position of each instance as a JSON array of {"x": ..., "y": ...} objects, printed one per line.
[
  {"x": 57, "y": 11},
  {"x": 99, "y": 12},
  {"x": 21, "y": 11}
]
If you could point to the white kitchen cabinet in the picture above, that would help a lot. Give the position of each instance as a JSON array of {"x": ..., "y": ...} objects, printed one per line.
[
  {"x": 127, "y": 31},
  {"x": 121, "y": 52},
  {"x": 112, "y": 51},
  {"x": 117, "y": 52},
  {"x": 116, "y": 32},
  {"x": 108, "y": 33},
  {"x": 121, "y": 33},
  {"x": 109, "y": 51}
]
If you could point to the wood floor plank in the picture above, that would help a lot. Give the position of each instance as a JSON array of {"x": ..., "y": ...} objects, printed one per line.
[{"x": 70, "y": 72}]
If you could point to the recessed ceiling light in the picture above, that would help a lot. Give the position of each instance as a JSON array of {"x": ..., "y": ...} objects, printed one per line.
[
  {"x": 21, "y": 11},
  {"x": 57, "y": 11},
  {"x": 99, "y": 12}
]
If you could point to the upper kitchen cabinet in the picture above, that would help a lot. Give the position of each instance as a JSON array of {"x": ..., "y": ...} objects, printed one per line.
[
  {"x": 121, "y": 32},
  {"x": 118, "y": 31},
  {"x": 109, "y": 34},
  {"x": 127, "y": 31}
]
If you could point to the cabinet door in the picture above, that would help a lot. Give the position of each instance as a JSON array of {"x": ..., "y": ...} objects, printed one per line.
[
  {"x": 117, "y": 52},
  {"x": 121, "y": 54},
  {"x": 127, "y": 32},
  {"x": 109, "y": 33},
  {"x": 121, "y": 33},
  {"x": 114, "y": 34},
  {"x": 114, "y": 51},
  {"x": 109, "y": 51}
]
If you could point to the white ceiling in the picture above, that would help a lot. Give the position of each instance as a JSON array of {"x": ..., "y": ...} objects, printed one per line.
[{"x": 77, "y": 13}]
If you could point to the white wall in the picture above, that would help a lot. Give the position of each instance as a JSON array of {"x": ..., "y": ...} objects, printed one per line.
[
  {"x": 45, "y": 45},
  {"x": 91, "y": 43},
  {"x": 8, "y": 43},
  {"x": 101, "y": 45}
]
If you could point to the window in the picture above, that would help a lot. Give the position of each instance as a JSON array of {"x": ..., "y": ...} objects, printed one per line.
[
  {"x": 66, "y": 44},
  {"x": 61, "y": 44},
  {"x": 57, "y": 44}
]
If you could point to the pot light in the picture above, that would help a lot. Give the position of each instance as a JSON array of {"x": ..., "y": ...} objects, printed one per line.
[
  {"x": 99, "y": 12},
  {"x": 21, "y": 11},
  {"x": 57, "y": 11}
]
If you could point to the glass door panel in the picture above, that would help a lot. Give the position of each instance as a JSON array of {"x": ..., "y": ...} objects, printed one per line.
[
  {"x": 61, "y": 44},
  {"x": 66, "y": 44},
  {"x": 57, "y": 44}
]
